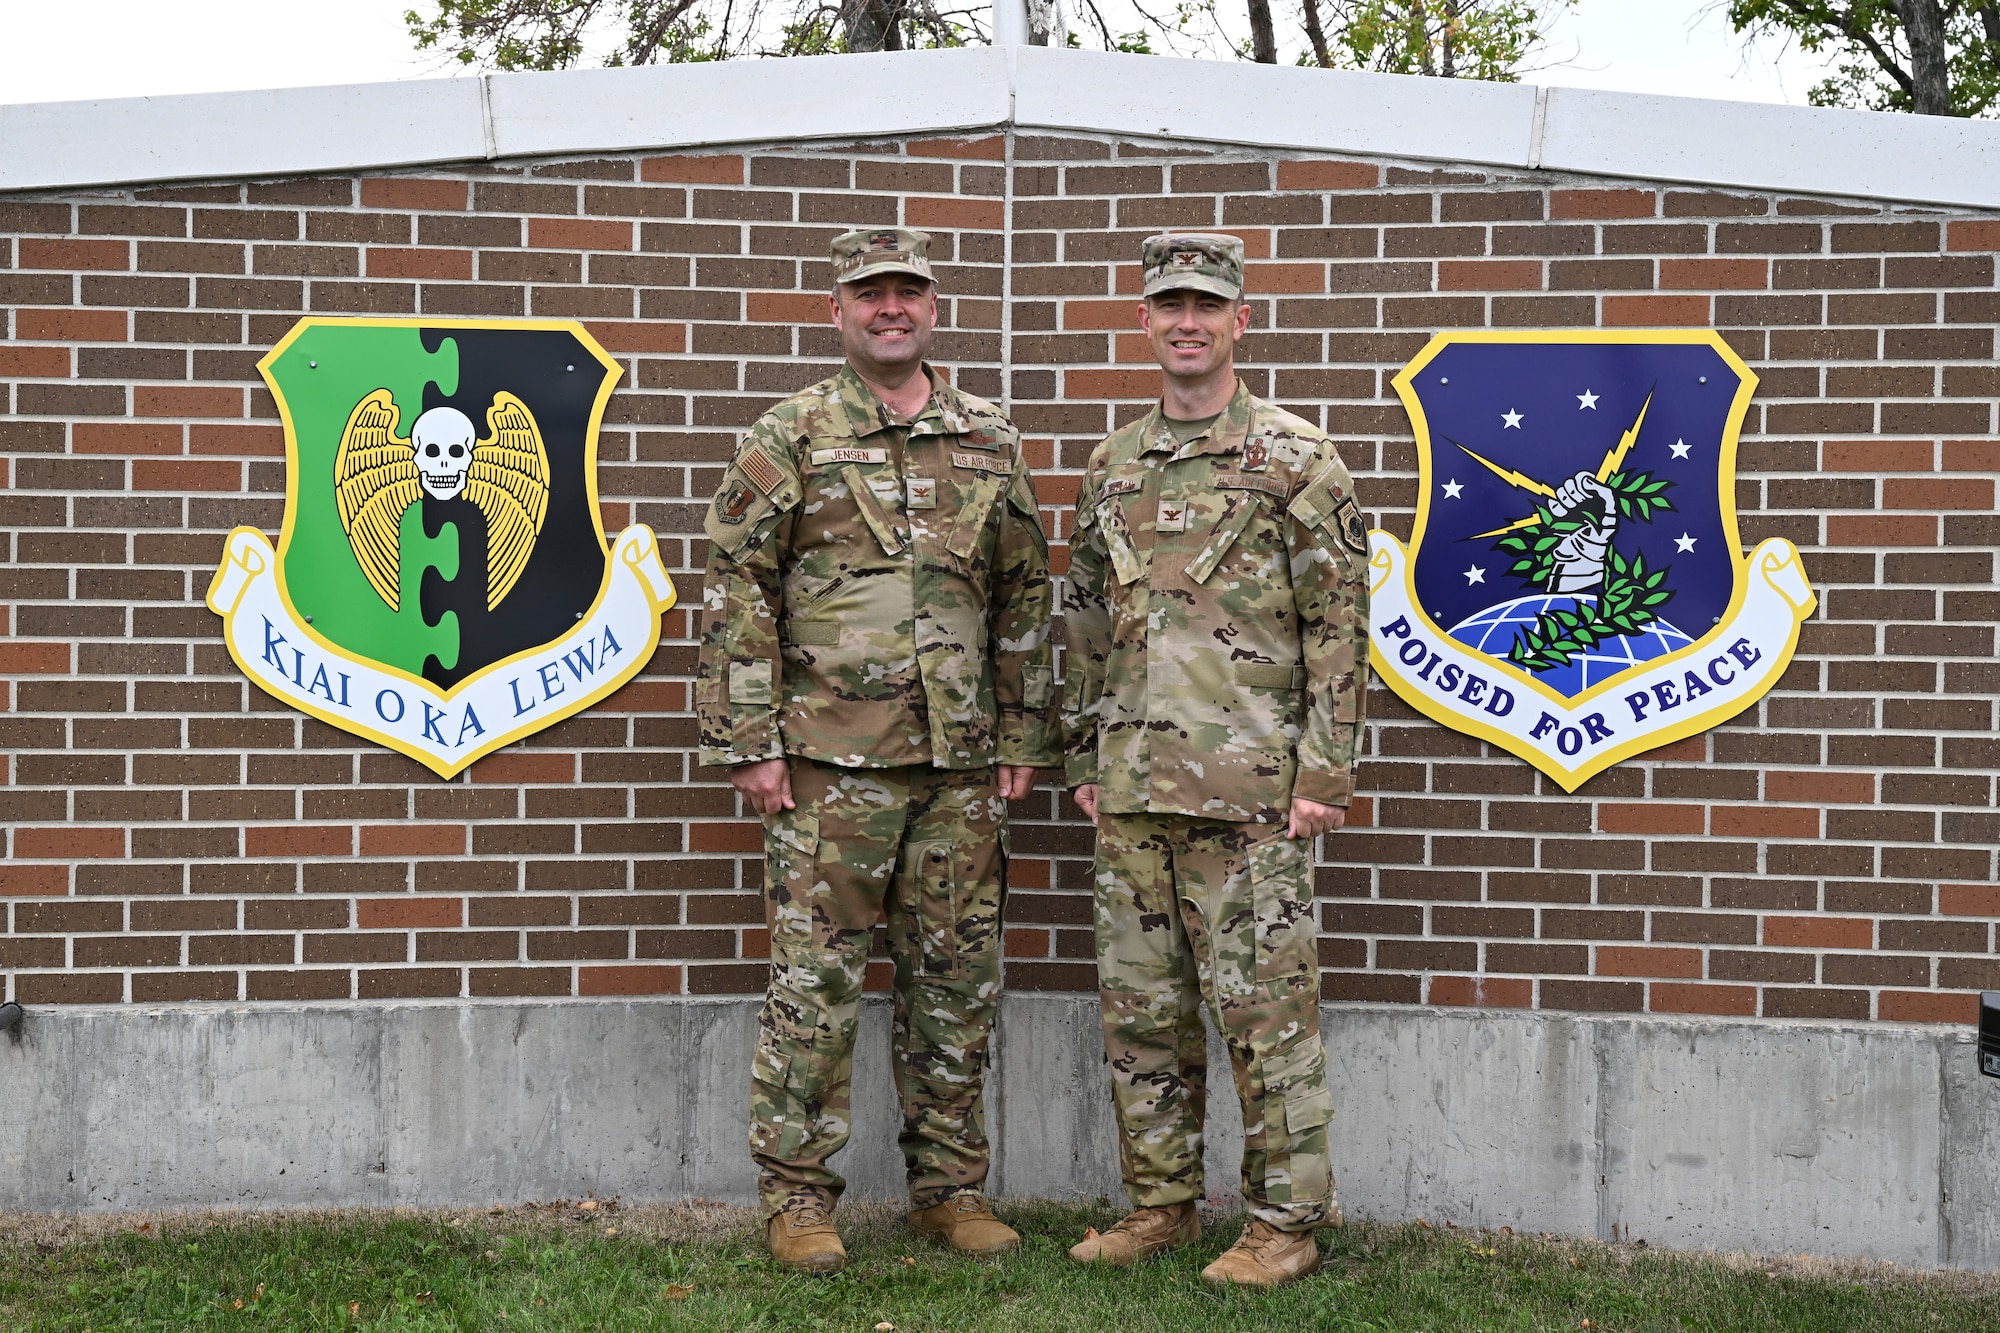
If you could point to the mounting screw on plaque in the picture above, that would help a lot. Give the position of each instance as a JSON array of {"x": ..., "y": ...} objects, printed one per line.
[
  {"x": 1989, "y": 1033},
  {"x": 10, "y": 1018}
]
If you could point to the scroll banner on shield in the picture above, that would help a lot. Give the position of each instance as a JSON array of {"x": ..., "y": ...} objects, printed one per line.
[
  {"x": 443, "y": 731},
  {"x": 1575, "y": 589}
]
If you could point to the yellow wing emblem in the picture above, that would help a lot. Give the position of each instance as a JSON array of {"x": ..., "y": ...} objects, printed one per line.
[
  {"x": 376, "y": 479},
  {"x": 509, "y": 481}
]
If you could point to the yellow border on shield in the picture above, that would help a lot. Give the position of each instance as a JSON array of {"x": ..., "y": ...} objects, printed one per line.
[
  {"x": 1739, "y": 408},
  {"x": 614, "y": 373}
]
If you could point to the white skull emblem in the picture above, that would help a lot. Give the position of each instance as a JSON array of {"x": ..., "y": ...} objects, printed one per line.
[{"x": 443, "y": 440}]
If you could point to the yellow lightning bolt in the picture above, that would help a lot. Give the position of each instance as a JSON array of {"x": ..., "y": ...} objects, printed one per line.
[{"x": 1612, "y": 459}]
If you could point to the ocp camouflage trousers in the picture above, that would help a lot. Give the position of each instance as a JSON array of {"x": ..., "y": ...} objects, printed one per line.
[
  {"x": 921, "y": 846},
  {"x": 1193, "y": 911}
]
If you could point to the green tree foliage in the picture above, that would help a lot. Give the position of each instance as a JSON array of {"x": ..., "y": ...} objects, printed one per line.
[
  {"x": 556, "y": 34},
  {"x": 1465, "y": 39},
  {"x": 1933, "y": 57}
]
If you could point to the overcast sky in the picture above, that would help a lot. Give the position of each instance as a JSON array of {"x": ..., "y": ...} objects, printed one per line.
[{"x": 60, "y": 50}]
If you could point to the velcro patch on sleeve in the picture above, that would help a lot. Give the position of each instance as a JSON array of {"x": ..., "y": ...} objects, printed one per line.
[
  {"x": 1251, "y": 481},
  {"x": 983, "y": 462},
  {"x": 762, "y": 470},
  {"x": 849, "y": 454}
]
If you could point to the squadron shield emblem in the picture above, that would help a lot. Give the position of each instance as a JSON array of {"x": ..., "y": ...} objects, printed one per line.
[
  {"x": 443, "y": 584},
  {"x": 1575, "y": 590}
]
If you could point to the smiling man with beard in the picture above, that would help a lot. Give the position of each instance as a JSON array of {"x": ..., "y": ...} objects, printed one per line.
[
  {"x": 1218, "y": 654},
  {"x": 875, "y": 674}
]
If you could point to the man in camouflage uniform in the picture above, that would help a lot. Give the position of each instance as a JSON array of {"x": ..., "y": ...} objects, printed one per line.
[
  {"x": 1218, "y": 652},
  {"x": 875, "y": 672}
]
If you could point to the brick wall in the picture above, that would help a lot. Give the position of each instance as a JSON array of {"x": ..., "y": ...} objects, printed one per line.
[{"x": 174, "y": 834}]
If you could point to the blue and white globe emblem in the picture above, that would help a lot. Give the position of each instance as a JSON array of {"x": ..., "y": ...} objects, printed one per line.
[{"x": 1493, "y": 630}]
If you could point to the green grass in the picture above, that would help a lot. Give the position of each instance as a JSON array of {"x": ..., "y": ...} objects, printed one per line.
[{"x": 699, "y": 1267}]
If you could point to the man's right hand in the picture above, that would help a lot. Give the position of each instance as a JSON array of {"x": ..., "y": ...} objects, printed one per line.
[
  {"x": 1086, "y": 801},
  {"x": 766, "y": 784}
]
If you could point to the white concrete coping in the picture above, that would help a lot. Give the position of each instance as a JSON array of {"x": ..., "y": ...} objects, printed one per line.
[{"x": 295, "y": 131}]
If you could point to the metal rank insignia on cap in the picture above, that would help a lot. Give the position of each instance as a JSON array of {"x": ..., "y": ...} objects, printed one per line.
[{"x": 1173, "y": 516}]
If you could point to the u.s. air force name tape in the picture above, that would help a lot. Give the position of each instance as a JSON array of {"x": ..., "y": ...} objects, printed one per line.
[
  {"x": 445, "y": 731},
  {"x": 1679, "y": 694}
]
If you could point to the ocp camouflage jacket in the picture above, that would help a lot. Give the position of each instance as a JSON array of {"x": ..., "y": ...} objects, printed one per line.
[
  {"x": 1217, "y": 619},
  {"x": 877, "y": 591}
]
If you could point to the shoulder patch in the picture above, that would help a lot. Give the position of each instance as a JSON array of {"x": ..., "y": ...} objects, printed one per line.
[
  {"x": 1347, "y": 524},
  {"x": 762, "y": 470}
]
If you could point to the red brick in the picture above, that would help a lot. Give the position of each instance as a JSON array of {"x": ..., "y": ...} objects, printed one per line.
[
  {"x": 393, "y": 262},
  {"x": 1819, "y": 932},
  {"x": 1876, "y": 456},
  {"x": 413, "y": 840},
  {"x": 1972, "y": 455},
  {"x": 1881, "y": 530},
  {"x": 1489, "y": 275},
  {"x": 298, "y": 840},
  {"x": 992, "y": 148},
  {"x": 416, "y": 193},
  {"x": 23, "y": 881},
  {"x": 75, "y": 254},
  {"x": 982, "y": 214},
  {"x": 1631, "y": 961},
  {"x": 1484, "y": 992},
  {"x": 787, "y": 308},
  {"x": 1672, "y": 997},
  {"x": 179, "y": 400},
  {"x": 1029, "y": 942},
  {"x": 693, "y": 169},
  {"x": 159, "y": 474},
  {"x": 647, "y": 696},
  {"x": 1655, "y": 311},
  {"x": 1271, "y": 277},
  {"x": 1715, "y": 274},
  {"x": 630, "y": 979},
  {"x": 70, "y": 842},
  {"x": 1120, "y": 314},
  {"x": 1763, "y": 821},
  {"x": 1928, "y": 1006},
  {"x": 579, "y": 234},
  {"x": 34, "y": 362},
  {"x": 638, "y": 335},
  {"x": 26, "y": 659},
  {"x": 409, "y": 913},
  {"x": 1970, "y": 234},
  {"x": 512, "y": 766},
  {"x": 1824, "y": 788},
  {"x": 733, "y": 837},
  {"x": 122, "y": 437},
  {"x": 1939, "y": 493},
  {"x": 1139, "y": 384},
  {"x": 1654, "y": 817},
  {"x": 1565, "y": 204},
  {"x": 1969, "y": 899},
  {"x": 237, "y": 441},
  {"x": 100, "y": 326},
  {"x": 1311, "y": 175}
]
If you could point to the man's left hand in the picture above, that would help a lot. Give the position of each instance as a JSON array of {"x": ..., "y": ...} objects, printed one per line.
[
  {"x": 1016, "y": 781},
  {"x": 1310, "y": 818}
]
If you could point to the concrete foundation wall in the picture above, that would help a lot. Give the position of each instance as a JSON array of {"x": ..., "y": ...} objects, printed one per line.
[{"x": 1876, "y": 1140}]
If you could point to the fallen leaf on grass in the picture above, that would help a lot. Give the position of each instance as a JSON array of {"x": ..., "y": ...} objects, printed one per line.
[
  {"x": 354, "y": 1309},
  {"x": 236, "y": 1304},
  {"x": 1425, "y": 1225},
  {"x": 492, "y": 1256},
  {"x": 885, "y": 1327},
  {"x": 496, "y": 1210},
  {"x": 258, "y": 1294},
  {"x": 588, "y": 1206},
  {"x": 676, "y": 1291},
  {"x": 909, "y": 1262},
  {"x": 611, "y": 1231},
  {"x": 425, "y": 1298}
]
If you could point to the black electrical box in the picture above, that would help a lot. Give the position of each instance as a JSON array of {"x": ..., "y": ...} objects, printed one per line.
[{"x": 1989, "y": 1033}]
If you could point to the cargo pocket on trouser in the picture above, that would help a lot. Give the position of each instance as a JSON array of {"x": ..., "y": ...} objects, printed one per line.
[
  {"x": 791, "y": 864},
  {"x": 932, "y": 870},
  {"x": 1297, "y": 1110},
  {"x": 1287, "y": 943}
]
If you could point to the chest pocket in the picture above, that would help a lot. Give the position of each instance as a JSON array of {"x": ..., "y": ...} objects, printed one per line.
[
  {"x": 1242, "y": 509},
  {"x": 873, "y": 493}
]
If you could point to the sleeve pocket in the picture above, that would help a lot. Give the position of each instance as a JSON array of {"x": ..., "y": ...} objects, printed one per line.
[
  {"x": 1037, "y": 685},
  {"x": 752, "y": 682}
]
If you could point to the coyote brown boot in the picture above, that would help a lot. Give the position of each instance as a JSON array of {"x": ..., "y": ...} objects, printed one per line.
[
  {"x": 1264, "y": 1256},
  {"x": 1141, "y": 1235},
  {"x": 803, "y": 1238},
  {"x": 965, "y": 1223}
]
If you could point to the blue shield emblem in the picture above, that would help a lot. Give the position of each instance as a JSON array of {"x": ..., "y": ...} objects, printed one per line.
[{"x": 1574, "y": 588}]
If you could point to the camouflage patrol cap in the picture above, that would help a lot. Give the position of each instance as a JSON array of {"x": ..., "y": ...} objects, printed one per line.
[
  {"x": 1193, "y": 261},
  {"x": 863, "y": 254}
]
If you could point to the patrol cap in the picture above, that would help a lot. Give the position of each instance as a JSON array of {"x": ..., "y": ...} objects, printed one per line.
[
  {"x": 863, "y": 254},
  {"x": 1193, "y": 261}
]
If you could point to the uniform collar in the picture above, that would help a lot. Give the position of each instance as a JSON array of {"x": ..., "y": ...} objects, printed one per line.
[
  {"x": 1225, "y": 435},
  {"x": 866, "y": 415}
]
